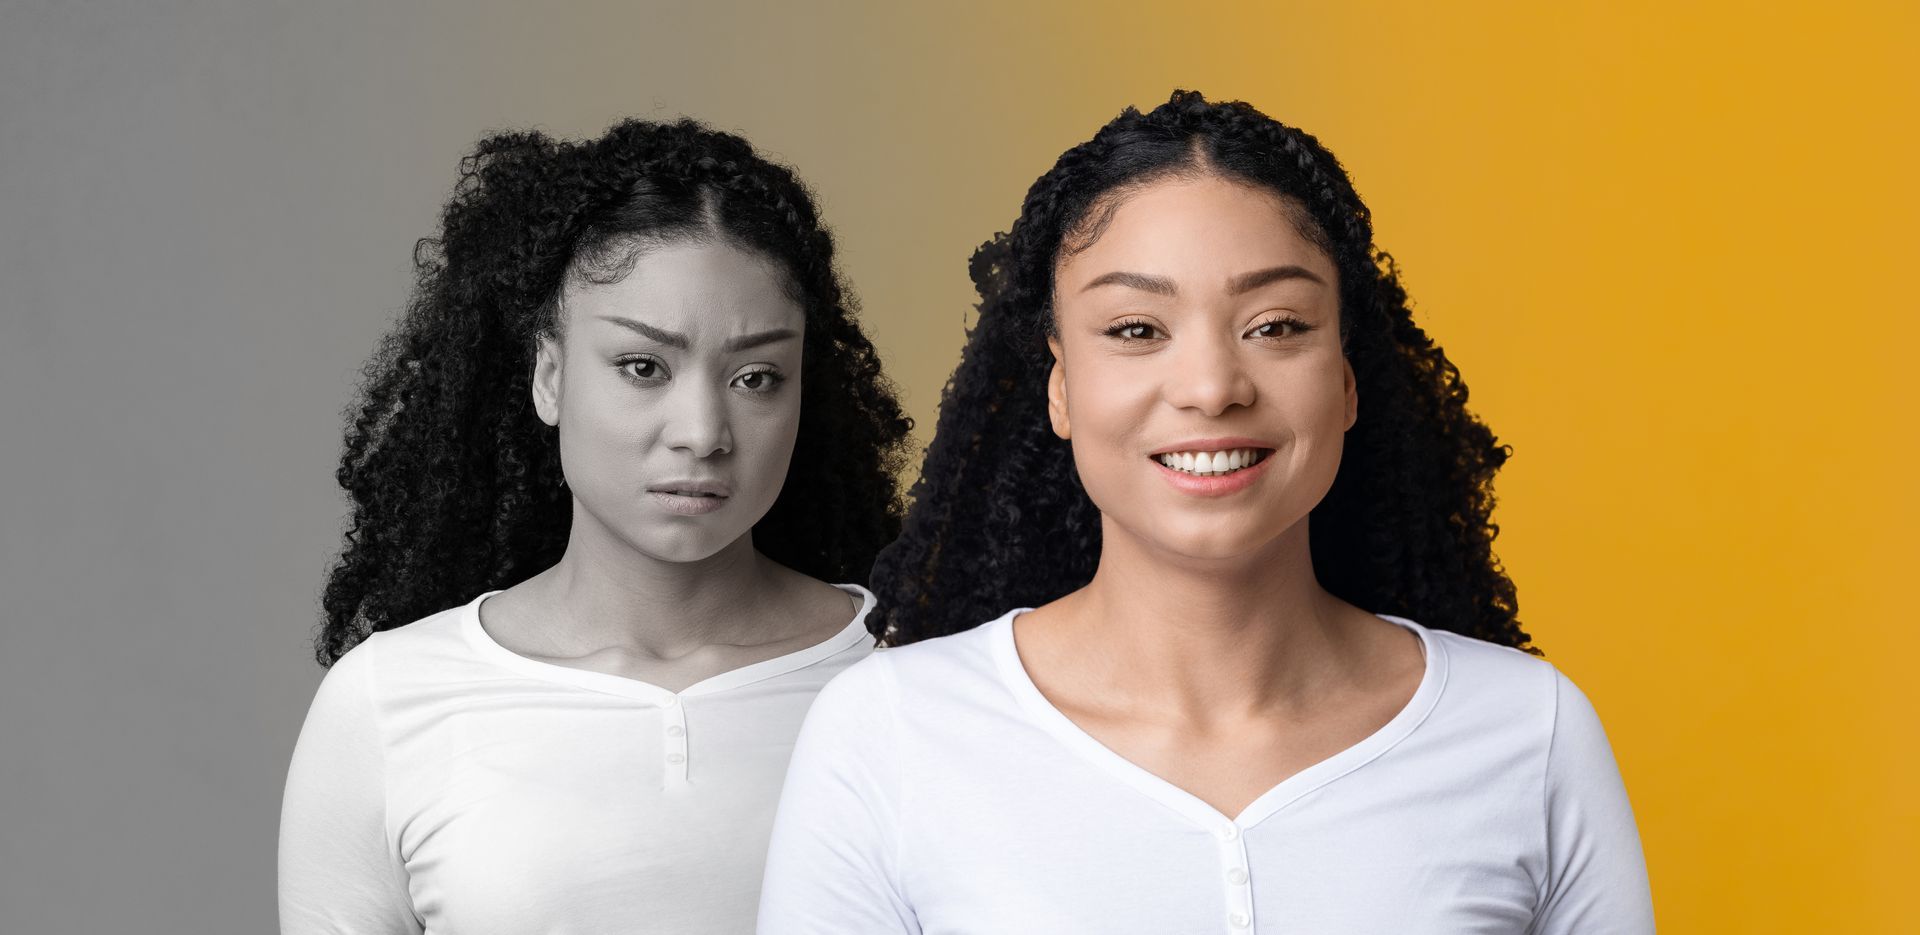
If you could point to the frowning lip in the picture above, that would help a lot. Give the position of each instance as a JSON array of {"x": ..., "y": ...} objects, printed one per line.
[
  {"x": 691, "y": 488},
  {"x": 1224, "y": 443}
]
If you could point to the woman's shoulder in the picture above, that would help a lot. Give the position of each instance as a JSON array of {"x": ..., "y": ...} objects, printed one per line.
[
  {"x": 973, "y": 652},
  {"x": 922, "y": 672},
  {"x": 1491, "y": 679},
  {"x": 413, "y": 649}
]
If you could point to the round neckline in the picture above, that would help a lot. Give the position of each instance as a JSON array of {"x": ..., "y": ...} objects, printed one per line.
[
  {"x": 484, "y": 645},
  {"x": 1426, "y": 697}
]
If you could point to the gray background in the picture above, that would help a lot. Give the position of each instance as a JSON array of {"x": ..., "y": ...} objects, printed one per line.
[{"x": 208, "y": 211}]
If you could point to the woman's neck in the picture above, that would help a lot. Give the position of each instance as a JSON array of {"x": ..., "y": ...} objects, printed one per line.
[
  {"x": 1215, "y": 636},
  {"x": 603, "y": 592}
]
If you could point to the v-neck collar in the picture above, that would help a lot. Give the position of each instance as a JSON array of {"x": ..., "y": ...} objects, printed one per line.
[
  {"x": 486, "y": 647},
  {"x": 1014, "y": 673}
]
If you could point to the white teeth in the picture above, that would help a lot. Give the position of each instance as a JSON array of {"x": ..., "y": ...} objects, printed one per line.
[{"x": 1207, "y": 463}]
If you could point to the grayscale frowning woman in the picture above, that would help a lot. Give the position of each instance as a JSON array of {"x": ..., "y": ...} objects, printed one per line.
[{"x": 617, "y": 478}]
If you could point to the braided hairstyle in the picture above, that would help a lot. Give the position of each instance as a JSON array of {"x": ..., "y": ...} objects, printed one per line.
[
  {"x": 999, "y": 518},
  {"x": 454, "y": 480}
]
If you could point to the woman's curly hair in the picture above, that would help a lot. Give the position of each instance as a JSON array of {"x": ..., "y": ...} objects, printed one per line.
[
  {"x": 999, "y": 518},
  {"x": 455, "y": 482}
]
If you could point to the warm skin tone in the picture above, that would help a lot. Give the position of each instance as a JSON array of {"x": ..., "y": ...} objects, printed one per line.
[
  {"x": 685, "y": 372},
  {"x": 1204, "y": 650}
]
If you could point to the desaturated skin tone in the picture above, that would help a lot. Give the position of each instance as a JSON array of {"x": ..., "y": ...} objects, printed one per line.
[
  {"x": 1200, "y": 320},
  {"x": 676, "y": 393}
]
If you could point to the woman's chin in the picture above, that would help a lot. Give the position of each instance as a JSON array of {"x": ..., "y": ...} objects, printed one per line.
[{"x": 1213, "y": 543}]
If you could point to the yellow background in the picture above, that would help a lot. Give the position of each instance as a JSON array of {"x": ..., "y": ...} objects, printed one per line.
[{"x": 1669, "y": 246}]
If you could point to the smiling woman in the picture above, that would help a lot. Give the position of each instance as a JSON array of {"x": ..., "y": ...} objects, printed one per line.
[
  {"x": 1248, "y": 663},
  {"x": 602, "y": 473}
]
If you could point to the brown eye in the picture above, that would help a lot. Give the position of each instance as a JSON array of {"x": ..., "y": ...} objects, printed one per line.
[
  {"x": 1279, "y": 328},
  {"x": 1133, "y": 331}
]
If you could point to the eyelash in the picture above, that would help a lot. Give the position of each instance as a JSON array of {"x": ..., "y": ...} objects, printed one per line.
[
  {"x": 1117, "y": 329},
  {"x": 625, "y": 365},
  {"x": 1295, "y": 325},
  {"x": 774, "y": 377}
]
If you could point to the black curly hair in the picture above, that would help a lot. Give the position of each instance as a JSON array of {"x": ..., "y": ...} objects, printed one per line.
[
  {"x": 455, "y": 482},
  {"x": 999, "y": 518}
]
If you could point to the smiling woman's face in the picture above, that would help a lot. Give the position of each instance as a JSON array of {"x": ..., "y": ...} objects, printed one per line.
[
  {"x": 677, "y": 394},
  {"x": 1198, "y": 369}
]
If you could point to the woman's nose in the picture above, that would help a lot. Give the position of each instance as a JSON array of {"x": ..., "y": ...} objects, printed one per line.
[
  {"x": 1208, "y": 375},
  {"x": 696, "y": 422}
]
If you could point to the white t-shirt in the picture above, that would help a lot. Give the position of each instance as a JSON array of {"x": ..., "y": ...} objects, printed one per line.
[
  {"x": 446, "y": 784},
  {"x": 934, "y": 789}
]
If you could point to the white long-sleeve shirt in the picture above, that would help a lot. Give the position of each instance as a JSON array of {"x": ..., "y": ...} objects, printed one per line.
[
  {"x": 934, "y": 789},
  {"x": 446, "y": 784}
]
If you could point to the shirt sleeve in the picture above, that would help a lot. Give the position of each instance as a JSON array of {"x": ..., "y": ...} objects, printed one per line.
[
  {"x": 338, "y": 872},
  {"x": 1597, "y": 875},
  {"x": 832, "y": 865}
]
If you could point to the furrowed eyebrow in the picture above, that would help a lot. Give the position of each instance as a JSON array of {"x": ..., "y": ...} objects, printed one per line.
[
  {"x": 1247, "y": 282},
  {"x": 764, "y": 337},
  {"x": 1140, "y": 281},
  {"x": 669, "y": 338}
]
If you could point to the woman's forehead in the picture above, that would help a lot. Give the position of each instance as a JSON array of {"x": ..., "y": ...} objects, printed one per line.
[
  {"x": 703, "y": 290},
  {"x": 1197, "y": 229}
]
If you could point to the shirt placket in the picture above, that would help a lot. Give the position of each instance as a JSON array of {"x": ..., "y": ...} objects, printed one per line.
[
  {"x": 673, "y": 741},
  {"x": 1236, "y": 878}
]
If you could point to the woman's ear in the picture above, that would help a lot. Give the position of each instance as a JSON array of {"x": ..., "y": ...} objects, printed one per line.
[
  {"x": 548, "y": 368},
  {"x": 1353, "y": 393},
  {"x": 1057, "y": 393}
]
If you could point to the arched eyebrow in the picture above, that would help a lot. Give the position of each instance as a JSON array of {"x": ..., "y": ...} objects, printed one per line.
[
  {"x": 1141, "y": 281},
  {"x": 669, "y": 338},
  {"x": 1247, "y": 282},
  {"x": 676, "y": 339},
  {"x": 1243, "y": 283}
]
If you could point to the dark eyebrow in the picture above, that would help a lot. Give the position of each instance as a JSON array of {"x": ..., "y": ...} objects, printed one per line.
[
  {"x": 745, "y": 341},
  {"x": 1140, "y": 281},
  {"x": 1247, "y": 282},
  {"x": 1243, "y": 283},
  {"x": 669, "y": 338}
]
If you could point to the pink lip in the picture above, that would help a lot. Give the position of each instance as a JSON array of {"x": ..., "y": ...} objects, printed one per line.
[
  {"x": 1218, "y": 486},
  {"x": 1214, "y": 444}
]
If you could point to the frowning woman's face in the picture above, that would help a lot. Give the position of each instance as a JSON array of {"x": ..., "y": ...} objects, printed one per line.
[
  {"x": 1198, "y": 370},
  {"x": 676, "y": 391}
]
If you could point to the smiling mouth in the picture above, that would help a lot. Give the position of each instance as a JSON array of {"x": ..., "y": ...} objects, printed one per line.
[{"x": 1213, "y": 463}]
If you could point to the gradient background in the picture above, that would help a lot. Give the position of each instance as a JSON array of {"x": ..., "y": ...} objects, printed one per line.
[{"x": 1669, "y": 248}]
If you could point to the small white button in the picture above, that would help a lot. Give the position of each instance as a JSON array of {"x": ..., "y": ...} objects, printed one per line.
[
  {"x": 676, "y": 730},
  {"x": 1239, "y": 921},
  {"x": 1230, "y": 832},
  {"x": 676, "y": 758},
  {"x": 672, "y": 700},
  {"x": 1236, "y": 876}
]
